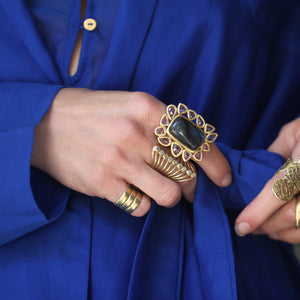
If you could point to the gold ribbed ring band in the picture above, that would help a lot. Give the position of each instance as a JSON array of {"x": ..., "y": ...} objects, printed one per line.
[
  {"x": 174, "y": 168},
  {"x": 130, "y": 199}
]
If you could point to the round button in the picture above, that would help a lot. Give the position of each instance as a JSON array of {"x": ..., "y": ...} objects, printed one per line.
[{"x": 89, "y": 24}]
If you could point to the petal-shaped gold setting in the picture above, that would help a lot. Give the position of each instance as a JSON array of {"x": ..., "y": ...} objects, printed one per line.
[
  {"x": 164, "y": 141},
  {"x": 176, "y": 150}
]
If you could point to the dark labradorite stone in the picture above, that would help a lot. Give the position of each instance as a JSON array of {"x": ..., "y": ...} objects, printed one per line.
[{"x": 187, "y": 133}]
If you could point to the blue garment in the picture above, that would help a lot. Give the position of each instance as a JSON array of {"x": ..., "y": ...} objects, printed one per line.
[
  {"x": 59, "y": 23},
  {"x": 235, "y": 62}
]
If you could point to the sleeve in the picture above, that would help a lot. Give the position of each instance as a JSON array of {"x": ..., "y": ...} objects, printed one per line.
[
  {"x": 29, "y": 198},
  {"x": 251, "y": 170}
]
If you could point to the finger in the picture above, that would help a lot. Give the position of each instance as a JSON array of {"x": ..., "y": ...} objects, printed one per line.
[
  {"x": 188, "y": 189},
  {"x": 287, "y": 138},
  {"x": 145, "y": 147},
  {"x": 259, "y": 210},
  {"x": 296, "y": 152},
  {"x": 291, "y": 236},
  {"x": 284, "y": 218},
  {"x": 161, "y": 189},
  {"x": 214, "y": 163},
  {"x": 216, "y": 166}
]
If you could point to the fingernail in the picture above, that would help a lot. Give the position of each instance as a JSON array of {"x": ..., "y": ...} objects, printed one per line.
[
  {"x": 226, "y": 180},
  {"x": 242, "y": 229}
]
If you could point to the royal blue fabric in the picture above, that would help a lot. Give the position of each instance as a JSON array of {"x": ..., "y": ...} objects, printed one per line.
[
  {"x": 235, "y": 62},
  {"x": 58, "y": 24}
]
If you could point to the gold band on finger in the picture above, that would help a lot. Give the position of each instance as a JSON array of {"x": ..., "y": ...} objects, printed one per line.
[
  {"x": 174, "y": 168},
  {"x": 298, "y": 211},
  {"x": 130, "y": 199},
  {"x": 124, "y": 196},
  {"x": 135, "y": 203},
  {"x": 288, "y": 186},
  {"x": 185, "y": 132}
]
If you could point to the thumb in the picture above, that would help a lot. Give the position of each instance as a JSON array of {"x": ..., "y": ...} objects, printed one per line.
[{"x": 287, "y": 139}]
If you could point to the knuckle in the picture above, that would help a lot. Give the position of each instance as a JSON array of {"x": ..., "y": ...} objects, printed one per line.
[
  {"x": 113, "y": 155},
  {"x": 170, "y": 196},
  {"x": 143, "y": 103},
  {"x": 289, "y": 215},
  {"x": 128, "y": 130}
]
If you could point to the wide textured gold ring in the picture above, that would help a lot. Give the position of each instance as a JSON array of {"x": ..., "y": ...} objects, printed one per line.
[
  {"x": 286, "y": 187},
  {"x": 185, "y": 133},
  {"x": 130, "y": 199}
]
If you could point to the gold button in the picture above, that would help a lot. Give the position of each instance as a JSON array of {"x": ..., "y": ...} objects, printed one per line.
[{"x": 89, "y": 24}]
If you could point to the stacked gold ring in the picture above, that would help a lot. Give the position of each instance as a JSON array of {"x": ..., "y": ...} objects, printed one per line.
[{"x": 130, "y": 199}]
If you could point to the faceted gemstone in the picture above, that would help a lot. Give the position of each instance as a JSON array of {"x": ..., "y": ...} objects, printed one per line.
[
  {"x": 192, "y": 114},
  {"x": 186, "y": 132},
  {"x": 212, "y": 137},
  {"x": 164, "y": 120},
  {"x": 205, "y": 147},
  {"x": 200, "y": 121},
  {"x": 198, "y": 156},
  {"x": 160, "y": 130},
  {"x": 179, "y": 166},
  {"x": 176, "y": 150},
  {"x": 186, "y": 155},
  {"x": 209, "y": 128},
  {"x": 182, "y": 108},
  {"x": 189, "y": 172},
  {"x": 164, "y": 141},
  {"x": 171, "y": 109}
]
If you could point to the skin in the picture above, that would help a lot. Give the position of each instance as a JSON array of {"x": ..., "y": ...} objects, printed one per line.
[
  {"x": 266, "y": 214},
  {"x": 95, "y": 142}
]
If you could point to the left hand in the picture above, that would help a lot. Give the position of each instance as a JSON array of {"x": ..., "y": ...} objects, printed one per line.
[{"x": 266, "y": 214}]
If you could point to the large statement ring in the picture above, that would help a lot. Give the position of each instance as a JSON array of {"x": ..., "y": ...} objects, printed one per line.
[
  {"x": 130, "y": 199},
  {"x": 288, "y": 186},
  {"x": 185, "y": 132},
  {"x": 174, "y": 168}
]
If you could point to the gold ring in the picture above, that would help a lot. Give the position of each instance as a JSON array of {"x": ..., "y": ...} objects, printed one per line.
[
  {"x": 288, "y": 186},
  {"x": 298, "y": 211},
  {"x": 185, "y": 132},
  {"x": 130, "y": 199},
  {"x": 174, "y": 168}
]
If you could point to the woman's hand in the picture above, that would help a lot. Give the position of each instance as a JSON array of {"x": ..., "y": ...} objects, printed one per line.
[
  {"x": 266, "y": 214},
  {"x": 95, "y": 142}
]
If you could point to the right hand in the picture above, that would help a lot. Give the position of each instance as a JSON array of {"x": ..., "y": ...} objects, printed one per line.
[{"x": 95, "y": 142}]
